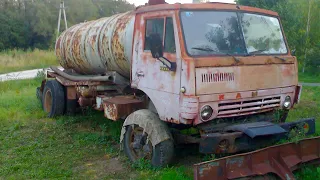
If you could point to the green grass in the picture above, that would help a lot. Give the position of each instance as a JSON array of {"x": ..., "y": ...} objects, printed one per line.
[
  {"x": 309, "y": 78},
  {"x": 85, "y": 146},
  {"x": 18, "y": 60},
  {"x": 79, "y": 147},
  {"x": 309, "y": 106}
]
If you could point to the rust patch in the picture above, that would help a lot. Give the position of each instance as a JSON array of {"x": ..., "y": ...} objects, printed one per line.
[
  {"x": 218, "y": 61},
  {"x": 71, "y": 92},
  {"x": 171, "y": 120},
  {"x": 85, "y": 102},
  {"x": 95, "y": 46},
  {"x": 121, "y": 106},
  {"x": 216, "y": 6},
  {"x": 280, "y": 160}
]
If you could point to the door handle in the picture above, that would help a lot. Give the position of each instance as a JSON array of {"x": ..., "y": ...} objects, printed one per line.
[{"x": 140, "y": 74}]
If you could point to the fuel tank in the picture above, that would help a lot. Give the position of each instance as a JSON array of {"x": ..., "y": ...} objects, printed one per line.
[{"x": 98, "y": 46}]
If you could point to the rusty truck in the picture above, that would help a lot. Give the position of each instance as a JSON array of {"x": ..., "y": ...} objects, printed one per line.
[{"x": 224, "y": 70}]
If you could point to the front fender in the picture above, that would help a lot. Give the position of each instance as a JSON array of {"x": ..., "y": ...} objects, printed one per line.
[{"x": 156, "y": 129}]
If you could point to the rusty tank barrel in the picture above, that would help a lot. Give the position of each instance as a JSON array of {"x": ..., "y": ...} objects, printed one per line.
[{"x": 98, "y": 46}]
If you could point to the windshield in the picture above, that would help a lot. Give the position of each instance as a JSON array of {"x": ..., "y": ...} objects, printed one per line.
[{"x": 220, "y": 33}]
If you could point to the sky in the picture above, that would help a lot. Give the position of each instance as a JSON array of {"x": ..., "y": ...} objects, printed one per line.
[{"x": 141, "y": 2}]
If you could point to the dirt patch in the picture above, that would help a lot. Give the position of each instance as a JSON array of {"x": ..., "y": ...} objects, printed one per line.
[{"x": 104, "y": 167}]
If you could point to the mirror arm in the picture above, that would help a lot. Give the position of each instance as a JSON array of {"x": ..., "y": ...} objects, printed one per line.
[{"x": 172, "y": 66}]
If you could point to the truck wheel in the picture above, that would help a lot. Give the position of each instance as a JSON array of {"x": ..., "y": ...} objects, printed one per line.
[
  {"x": 137, "y": 145},
  {"x": 53, "y": 100}
]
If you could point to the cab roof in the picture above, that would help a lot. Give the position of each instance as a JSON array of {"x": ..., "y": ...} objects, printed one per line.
[{"x": 203, "y": 6}]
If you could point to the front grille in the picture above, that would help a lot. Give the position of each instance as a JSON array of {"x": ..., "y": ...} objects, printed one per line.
[{"x": 236, "y": 108}]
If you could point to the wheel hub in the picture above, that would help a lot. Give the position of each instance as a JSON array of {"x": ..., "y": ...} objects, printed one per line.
[
  {"x": 48, "y": 101},
  {"x": 140, "y": 145}
]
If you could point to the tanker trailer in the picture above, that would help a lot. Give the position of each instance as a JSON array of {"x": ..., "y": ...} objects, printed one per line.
[
  {"x": 98, "y": 47},
  {"x": 222, "y": 69}
]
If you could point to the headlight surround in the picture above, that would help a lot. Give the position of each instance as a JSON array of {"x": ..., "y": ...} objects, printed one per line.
[
  {"x": 287, "y": 102},
  {"x": 206, "y": 112}
]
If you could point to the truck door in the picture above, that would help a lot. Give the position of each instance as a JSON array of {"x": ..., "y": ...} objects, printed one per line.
[{"x": 151, "y": 75}]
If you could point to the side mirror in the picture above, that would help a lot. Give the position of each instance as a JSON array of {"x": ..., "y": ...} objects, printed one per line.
[
  {"x": 156, "y": 46},
  {"x": 293, "y": 52}
]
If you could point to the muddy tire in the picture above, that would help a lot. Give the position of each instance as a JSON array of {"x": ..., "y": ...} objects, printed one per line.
[
  {"x": 53, "y": 98},
  {"x": 137, "y": 145}
]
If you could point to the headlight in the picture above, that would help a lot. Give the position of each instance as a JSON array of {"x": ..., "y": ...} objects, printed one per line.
[
  {"x": 206, "y": 112},
  {"x": 287, "y": 102}
]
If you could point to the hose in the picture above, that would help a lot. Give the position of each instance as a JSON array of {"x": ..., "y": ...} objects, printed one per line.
[{"x": 81, "y": 77}]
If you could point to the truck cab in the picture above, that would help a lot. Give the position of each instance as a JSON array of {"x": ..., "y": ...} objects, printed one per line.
[{"x": 217, "y": 61}]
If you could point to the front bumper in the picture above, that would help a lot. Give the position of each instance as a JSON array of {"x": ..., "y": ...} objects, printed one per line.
[
  {"x": 242, "y": 137},
  {"x": 236, "y": 104},
  {"x": 276, "y": 161}
]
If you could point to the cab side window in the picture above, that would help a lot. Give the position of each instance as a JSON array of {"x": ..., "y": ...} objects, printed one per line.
[
  {"x": 153, "y": 26},
  {"x": 169, "y": 42},
  {"x": 158, "y": 26}
]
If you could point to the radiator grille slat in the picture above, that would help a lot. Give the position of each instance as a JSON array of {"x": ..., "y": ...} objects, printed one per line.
[{"x": 236, "y": 108}]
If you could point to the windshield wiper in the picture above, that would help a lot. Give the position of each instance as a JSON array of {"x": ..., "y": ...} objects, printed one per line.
[
  {"x": 283, "y": 59},
  {"x": 256, "y": 52},
  {"x": 262, "y": 50},
  {"x": 211, "y": 50},
  {"x": 204, "y": 49}
]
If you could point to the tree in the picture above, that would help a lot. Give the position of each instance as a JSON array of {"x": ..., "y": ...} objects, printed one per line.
[{"x": 32, "y": 23}]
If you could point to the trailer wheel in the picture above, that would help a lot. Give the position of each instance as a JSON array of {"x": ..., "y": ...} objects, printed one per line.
[
  {"x": 137, "y": 144},
  {"x": 53, "y": 100}
]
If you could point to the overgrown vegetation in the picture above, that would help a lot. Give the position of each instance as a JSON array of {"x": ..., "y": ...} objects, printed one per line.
[
  {"x": 309, "y": 78},
  {"x": 86, "y": 146},
  {"x": 32, "y": 24},
  {"x": 16, "y": 60}
]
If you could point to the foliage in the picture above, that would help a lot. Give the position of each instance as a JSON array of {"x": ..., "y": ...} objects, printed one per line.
[
  {"x": 16, "y": 60},
  {"x": 32, "y": 24},
  {"x": 309, "y": 173},
  {"x": 309, "y": 77},
  {"x": 294, "y": 17}
]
